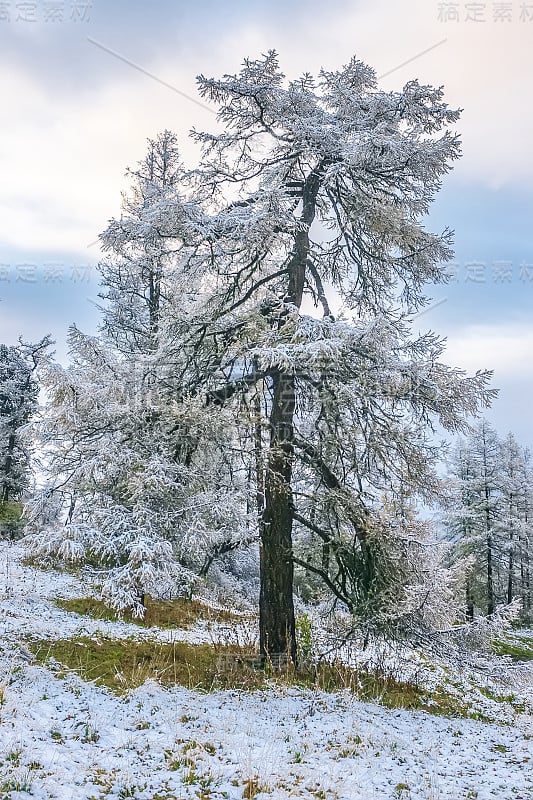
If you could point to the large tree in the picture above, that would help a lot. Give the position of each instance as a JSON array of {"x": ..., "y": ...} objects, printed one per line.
[
  {"x": 319, "y": 188},
  {"x": 314, "y": 191}
]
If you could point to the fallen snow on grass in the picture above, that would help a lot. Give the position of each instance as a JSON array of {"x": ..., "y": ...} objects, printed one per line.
[
  {"x": 27, "y": 608},
  {"x": 63, "y": 738}
]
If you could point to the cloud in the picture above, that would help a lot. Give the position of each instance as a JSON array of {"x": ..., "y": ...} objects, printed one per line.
[
  {"x": 485, "y": 69},
  {"x": 74, "y": 117},
  {"x": 504, "y": 348},
  {"x": 63, "y": 166}
]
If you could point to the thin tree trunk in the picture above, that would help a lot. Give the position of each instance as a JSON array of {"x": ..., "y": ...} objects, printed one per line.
[
  {"x": 490, "y": 582},
  {"x": 510, "y": 568},
  {"x": 469, "y": 600},
  {"x": 488, "y": 530},
  {"x": 524, "y": 567},
  {"x": 527, "y": 585}
]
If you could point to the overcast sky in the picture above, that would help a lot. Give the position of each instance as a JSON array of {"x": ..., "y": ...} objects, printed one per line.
[{"x": 83, "y": 85}]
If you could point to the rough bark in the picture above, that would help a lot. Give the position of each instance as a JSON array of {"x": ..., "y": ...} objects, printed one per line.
[
  {"x": 276, "y": 608},
  {"x": 277, "y": 634}
]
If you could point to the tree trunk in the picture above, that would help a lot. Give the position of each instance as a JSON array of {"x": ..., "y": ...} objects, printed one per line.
[
  {"x": 526, "y": 583},
  {"x": 277, "y": 634},
  {"x": 490, "y": 582},
  {"x": 469, "y": 601},
  {"x": 510, "y": 568},
  {"x": 488, "y": 531},
  {"x": 524, "y": 568}
]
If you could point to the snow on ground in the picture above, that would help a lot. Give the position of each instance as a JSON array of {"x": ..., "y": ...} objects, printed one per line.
[
  {"x": 63, "y": 738},
  {"x": 23, "y": 612}
]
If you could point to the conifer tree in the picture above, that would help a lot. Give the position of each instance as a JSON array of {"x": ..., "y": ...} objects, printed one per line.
[
  {"x": 313, "y": 425},
  {"x": 489, "y": 517},
  {"x": 19, "y": 391},
  {"x": 317, "y": 188}
]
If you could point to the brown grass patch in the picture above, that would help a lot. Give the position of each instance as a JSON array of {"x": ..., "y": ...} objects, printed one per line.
[{"x": 178, "y": 613}]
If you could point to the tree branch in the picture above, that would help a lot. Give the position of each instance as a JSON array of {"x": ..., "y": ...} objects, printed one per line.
[
  {"x": 320, "y": 289},
  {"x": 329, "y": 583}
]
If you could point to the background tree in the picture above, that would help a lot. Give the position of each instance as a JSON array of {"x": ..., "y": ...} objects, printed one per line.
[
  {"x": 489, "y": 517},
  {"x": 139, "y": 462},
  {"x": 136, "y": 274},
  {"x": 19, "y": 391}
]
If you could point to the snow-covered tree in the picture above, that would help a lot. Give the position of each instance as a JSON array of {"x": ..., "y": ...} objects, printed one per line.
[
  {"x": 151, "y": 491},
  {"x": 315, "y": 191},
  {"x": 19, "y": 390},
  {"x": 489, "y": 517},
  {"x": 521, "y": 556},
  {"x": 137, "y": 273},
  {"x": 318, "y": 188}
]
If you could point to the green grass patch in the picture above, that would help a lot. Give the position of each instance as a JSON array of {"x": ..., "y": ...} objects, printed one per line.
[
  {"x": 518, "y": 705},
  {"x": 121, "y": 665},
  {"x": 519, "y": 648},
  {"x": 388, "y": 691},
  {"x": 178, "y": 613}
]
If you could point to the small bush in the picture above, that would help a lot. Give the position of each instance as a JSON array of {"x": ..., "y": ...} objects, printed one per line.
[
  {"x": 304, "y": 636},
  {"x": 11, "y": 524}
]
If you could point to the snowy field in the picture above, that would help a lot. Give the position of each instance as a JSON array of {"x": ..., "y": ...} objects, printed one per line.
[{"x": 63, "y": 738}]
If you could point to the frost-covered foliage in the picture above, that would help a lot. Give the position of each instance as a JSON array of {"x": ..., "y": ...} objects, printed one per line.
[
  {"x": 397, "y": 583},
  {"x": 131, "y": 475},
  {"x": 252, "y": 416},
  {"x": 150, "y": 489},
  {"x": 489, "y": 518},
  {"x": 19, "y": 389},
  {"x": 316, "y": 190}
]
